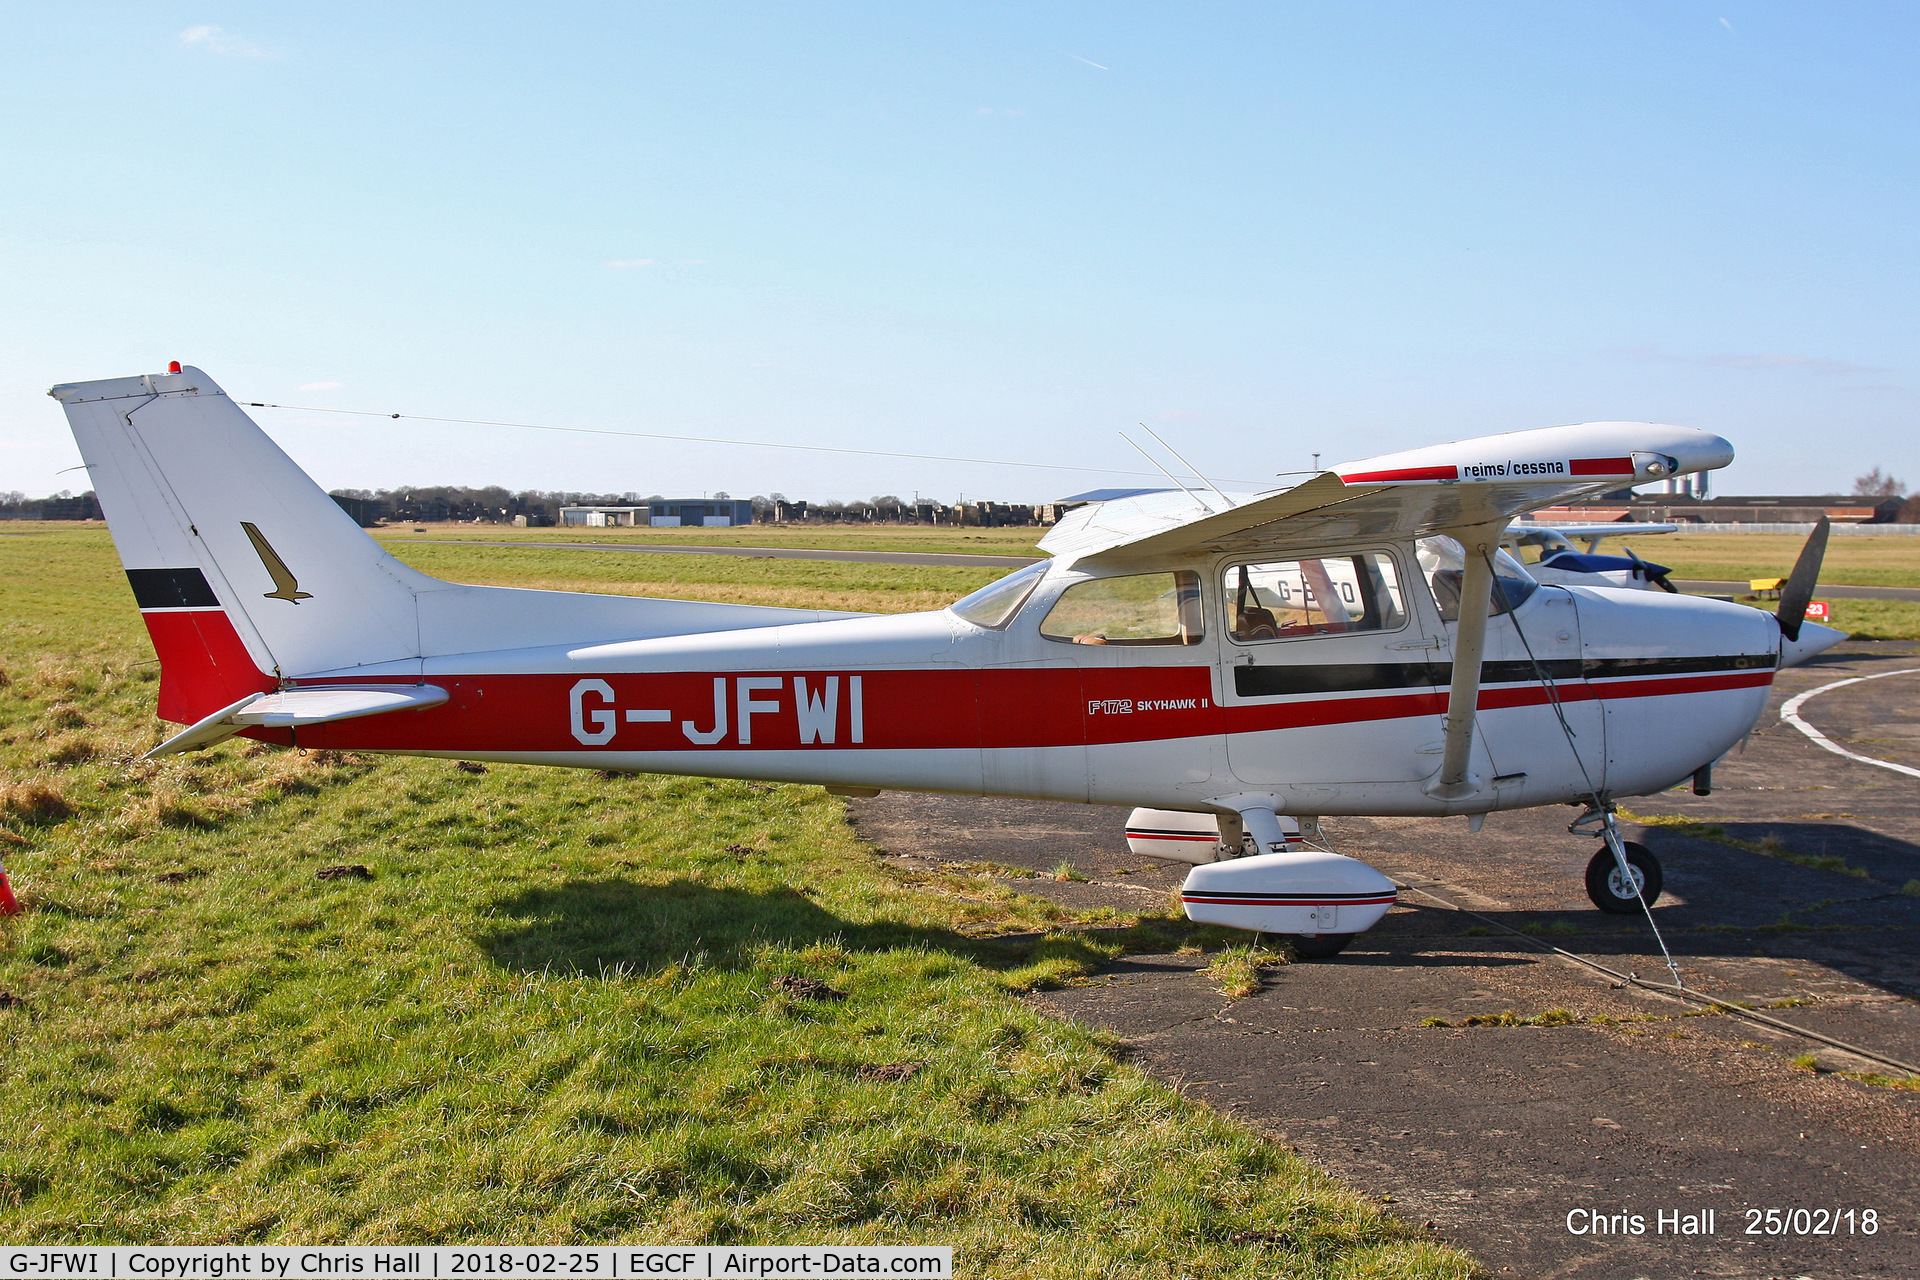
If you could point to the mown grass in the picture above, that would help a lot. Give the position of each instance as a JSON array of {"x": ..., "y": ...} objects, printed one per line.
[
  {"x": 561, "y": 1009},
  {"x": 1861, "y": 619},
  {"x": 889, "y": 588},
  {"x": 811, "y": 584},
  {"x": 1859, "y": 560}
]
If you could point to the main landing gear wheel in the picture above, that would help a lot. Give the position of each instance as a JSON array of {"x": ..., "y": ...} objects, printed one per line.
[
  {"x": 1610, "y": 890},
  {"x": 1318, "y": 946}
]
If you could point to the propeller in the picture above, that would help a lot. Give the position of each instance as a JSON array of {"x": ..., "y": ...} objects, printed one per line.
[
  {"x": 1653, "y": 573},
  {"x": 1798, "y": 593}
]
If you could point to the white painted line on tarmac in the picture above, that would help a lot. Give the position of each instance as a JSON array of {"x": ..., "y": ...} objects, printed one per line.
[{"x": 1790, "y": 712}]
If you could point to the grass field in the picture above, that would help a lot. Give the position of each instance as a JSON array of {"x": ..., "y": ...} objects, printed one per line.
[
  {"x": 564, "y": 1006},
  {"x": 1863, "y": 561},
  {"x": 1851, "y": 560},
  {"x": 882, "y": 588},
  {"x": 1855, "y": 560}
]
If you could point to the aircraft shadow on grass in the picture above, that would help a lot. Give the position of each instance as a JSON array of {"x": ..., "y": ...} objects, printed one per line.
[{"x": 602, "y": 927}]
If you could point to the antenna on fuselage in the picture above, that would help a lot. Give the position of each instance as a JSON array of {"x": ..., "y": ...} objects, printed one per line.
[
  {"x": 1204, "y": 504},
  {"x": 1188, "y": 465}
]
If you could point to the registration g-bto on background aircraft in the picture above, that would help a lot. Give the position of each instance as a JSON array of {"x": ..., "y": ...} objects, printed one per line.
[{"x": 1355, "y": 644}]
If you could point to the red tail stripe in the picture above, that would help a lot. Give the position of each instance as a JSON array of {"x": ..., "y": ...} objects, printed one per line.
[{"x": 204, "y": 666}]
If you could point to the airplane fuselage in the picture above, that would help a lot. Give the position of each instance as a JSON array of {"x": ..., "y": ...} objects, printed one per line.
[{"x": 1650, "y": 688}]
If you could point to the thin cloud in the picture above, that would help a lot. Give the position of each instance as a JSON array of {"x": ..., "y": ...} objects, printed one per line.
[
  {"x": 1089, "y": 61},
  {"x": 1726, "y": 24},
  {"x": 215, "y": 40},
  {"x": 320, "y": 386},
  {"x": 1765, "y": 361},
  {"x": 625, "y": 264}
]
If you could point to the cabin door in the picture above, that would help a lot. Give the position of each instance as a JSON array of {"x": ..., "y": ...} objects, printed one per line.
[{"x": 1327, "y": 670}]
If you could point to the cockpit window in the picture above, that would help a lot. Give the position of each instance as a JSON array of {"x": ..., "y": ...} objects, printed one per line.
[
  {"x": 994, "y": 605},
  {"x": 1443, "y": 561},
  {"x": 1289, "y": 599},
  {"x": 1141, "y": 608}
]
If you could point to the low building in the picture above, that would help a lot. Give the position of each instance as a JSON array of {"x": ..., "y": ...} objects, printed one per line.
[
  {"x": 709, "y": 513},
  {"x": 604, "y": 517},
  {"x": 365, "y": 512}
]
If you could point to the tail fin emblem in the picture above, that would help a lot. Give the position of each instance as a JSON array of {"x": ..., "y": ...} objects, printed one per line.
[{"x": 285, "y": 585}]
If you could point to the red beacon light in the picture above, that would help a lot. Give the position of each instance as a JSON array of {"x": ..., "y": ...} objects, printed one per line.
[{"x": 173, "y": 366}]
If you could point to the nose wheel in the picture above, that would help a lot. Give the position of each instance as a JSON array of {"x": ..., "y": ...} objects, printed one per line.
[
  {"x": 1613, "y": 892},
  {"x": 1318, "y": 946}
]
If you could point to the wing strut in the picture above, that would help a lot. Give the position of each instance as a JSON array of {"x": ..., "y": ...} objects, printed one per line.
[{"x": 1469, "y": 643}]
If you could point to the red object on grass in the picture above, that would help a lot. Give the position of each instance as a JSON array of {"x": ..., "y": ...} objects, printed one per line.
[{"x": 9, "y": 905}]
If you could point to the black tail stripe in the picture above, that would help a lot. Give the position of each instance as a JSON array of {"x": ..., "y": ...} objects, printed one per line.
[{"x": 172, "y": 589}]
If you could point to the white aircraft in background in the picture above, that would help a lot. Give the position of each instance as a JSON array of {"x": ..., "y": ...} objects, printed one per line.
[
  {"x": 1550, "y": 556},
  {"x": 1356, "y": 644}
]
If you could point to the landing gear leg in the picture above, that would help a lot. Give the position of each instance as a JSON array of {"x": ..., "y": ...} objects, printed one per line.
[
  {"x": 1624, "y": 876},
  {"x": 1233, "y": 838}
]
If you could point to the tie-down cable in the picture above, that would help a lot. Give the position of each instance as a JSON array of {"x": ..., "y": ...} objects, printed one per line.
[{"x": 1609, "y": 829}]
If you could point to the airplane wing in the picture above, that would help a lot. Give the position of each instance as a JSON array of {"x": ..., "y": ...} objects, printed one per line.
[
  {"x": 1612, "y": 529},
  {"x": 1423, "y": 491}
]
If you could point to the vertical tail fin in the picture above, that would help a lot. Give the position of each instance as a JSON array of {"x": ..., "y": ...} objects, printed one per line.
[
  {"x": 243, "y": 567},
  {"x": 248, "y": 573}
]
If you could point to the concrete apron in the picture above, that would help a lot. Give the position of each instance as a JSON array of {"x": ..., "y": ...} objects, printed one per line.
[{"x": 1493, "y": 1135}]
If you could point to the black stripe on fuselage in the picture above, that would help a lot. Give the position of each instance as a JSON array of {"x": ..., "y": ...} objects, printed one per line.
[
  {"x": 171, "y": 589},
  {"x": 1360, "y": 677}
]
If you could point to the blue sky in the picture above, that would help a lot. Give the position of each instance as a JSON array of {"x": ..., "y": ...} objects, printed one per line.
[{"x": 993, "y": 231}]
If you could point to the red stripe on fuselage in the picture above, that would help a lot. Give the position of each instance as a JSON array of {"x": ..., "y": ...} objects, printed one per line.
[{"x": 900, "y": 710}]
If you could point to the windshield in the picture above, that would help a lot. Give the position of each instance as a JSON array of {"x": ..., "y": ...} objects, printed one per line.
[
  {"x": 1442, "y": 561},
  {"x": 994, "y": 605}
]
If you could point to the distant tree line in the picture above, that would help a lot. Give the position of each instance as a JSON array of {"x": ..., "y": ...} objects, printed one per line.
[
  {"x": 64, "y": 505},
  {"x": 491, "y": 504},
  {"x": 495, "y": 504}
]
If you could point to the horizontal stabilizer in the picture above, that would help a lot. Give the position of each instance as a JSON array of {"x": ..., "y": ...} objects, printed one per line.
[
  {"x": 296, "y": 707},
  {"x": 293, "y": 708}
]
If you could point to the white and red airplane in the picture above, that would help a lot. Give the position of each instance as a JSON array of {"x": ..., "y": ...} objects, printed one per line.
[{"x": 1355, "y": 644}]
